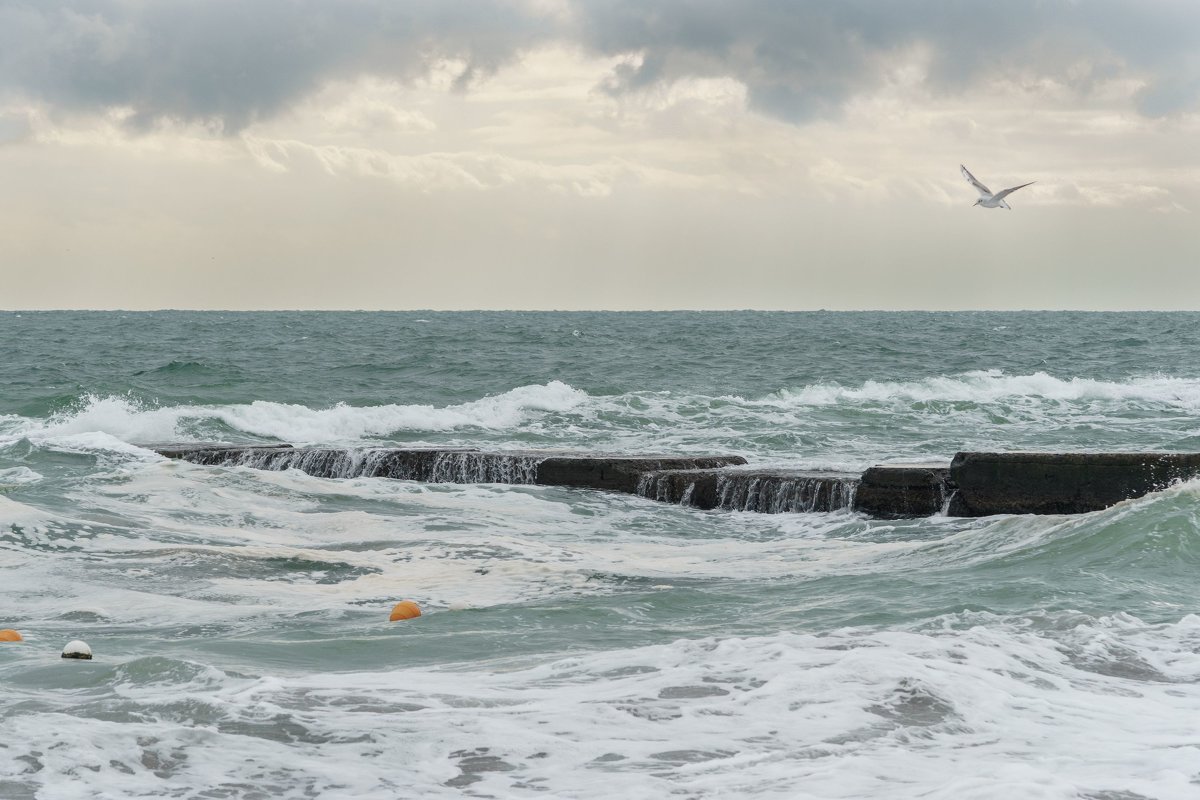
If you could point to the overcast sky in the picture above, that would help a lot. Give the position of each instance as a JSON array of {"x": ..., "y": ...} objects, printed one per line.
[{"x": 607, "y": 154}]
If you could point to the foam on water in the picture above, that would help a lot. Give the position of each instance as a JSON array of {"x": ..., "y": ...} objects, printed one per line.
[
  {"x": 965, "y": 706},
  {"x": 873, "y": 421},
  {"x": 575, "y": 643},
  {"x": 519, "y": 544},
  {"x": 18, "y": 476},
  {"x": 993, "y": 386},
  {"x": 133, "y": 421}
]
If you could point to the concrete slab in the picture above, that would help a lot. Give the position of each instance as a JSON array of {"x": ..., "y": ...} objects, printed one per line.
[
  {"x": 619, "y": 473},
  {"x": 896, "y": 491},
  {"x": 972, "y": 485},
  {"x": 1060, "y": 483}
]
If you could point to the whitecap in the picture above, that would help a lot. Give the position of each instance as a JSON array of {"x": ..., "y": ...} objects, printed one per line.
[
  {"x": 989, "y": 386},
  {"x": 18, "y": 476},
  {"x": 127, "y": 420}
]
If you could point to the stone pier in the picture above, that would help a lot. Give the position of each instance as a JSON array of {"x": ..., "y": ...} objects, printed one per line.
[
  {"x": 972, "y": 485},
  {"x": 616, "y": 473},
  {"x": 1060, "y": 483},
  {"x": 894, "y": 491}
]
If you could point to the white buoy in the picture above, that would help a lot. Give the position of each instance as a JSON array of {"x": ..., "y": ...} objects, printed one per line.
[{"x": 77, "y": 649}]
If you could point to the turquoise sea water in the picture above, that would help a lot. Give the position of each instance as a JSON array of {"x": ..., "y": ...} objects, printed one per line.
[{"x": 575, "y": 643}]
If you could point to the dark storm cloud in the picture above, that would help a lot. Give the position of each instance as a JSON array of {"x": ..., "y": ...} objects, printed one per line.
[
  {"x": 800, "y": 58},
  {"x": 233, "y": 61}
]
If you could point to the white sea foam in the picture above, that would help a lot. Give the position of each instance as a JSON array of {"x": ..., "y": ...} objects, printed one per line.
[
  {"x": 18, "y": 476},
  {"x": 131, "y": 421},
  {"x": 974, "y": 706},
  {"x": 928, "y": 418},
  {"x": 990, "y": 386},
  {"x": 348, "y": 423},
  {"x": 483, "y": 546},
  {"x": 13, "y": 512},
  {"x": 99, "y": 423},
  {"x": 248, "y": 569}
]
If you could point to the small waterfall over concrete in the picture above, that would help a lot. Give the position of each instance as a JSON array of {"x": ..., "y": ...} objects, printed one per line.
[
  {"x": 779, "y": 494},
  {"x": 948, "y": 496},
  {"x": 773, "y": 492},
  {"x": 430, "y": 466},
  {"x": 620, "y": 473},
  {"x": 660, "y": 486},
  {"x": 895, "y": 491},
  {"x": 469, "y": 467},
  {"x": 974, "y": 484}
]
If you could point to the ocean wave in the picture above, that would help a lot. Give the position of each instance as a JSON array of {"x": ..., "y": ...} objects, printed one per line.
[
  {"x": 178, "y": 368},
  {"x": 814, "y": 426},
  {"x": 1157, "y": 533},
  {"x": 993, "y": 386},
  {"x": 18, "y": 476},
  {"x": 130, "y": 420},
  {"x": 712, "y": 717},
  {"x": 348, "y": 423}
]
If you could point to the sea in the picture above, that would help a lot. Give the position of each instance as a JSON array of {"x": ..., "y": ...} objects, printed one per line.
[{"x": 576, "y": 643}]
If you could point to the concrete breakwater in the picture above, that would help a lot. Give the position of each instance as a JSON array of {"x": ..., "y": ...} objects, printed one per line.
[
  {"x": 619, "y": 473},
  {"x": 972, "y": 485},
  {"x": 1059, "y": 483}
]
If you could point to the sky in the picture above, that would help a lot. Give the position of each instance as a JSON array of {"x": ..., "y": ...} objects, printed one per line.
[{"x": 598, "y": 154}]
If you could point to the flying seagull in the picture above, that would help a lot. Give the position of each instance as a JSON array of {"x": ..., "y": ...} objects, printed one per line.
[{"x": 987, "y": 199}]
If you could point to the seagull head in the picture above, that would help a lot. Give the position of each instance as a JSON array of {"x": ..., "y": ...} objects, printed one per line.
[{"x": 980, "y": 200}]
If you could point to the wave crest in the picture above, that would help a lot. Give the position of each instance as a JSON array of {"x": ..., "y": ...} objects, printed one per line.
[
  {"x": 131, "y": 421},
  {"x": 992, "y": 386}
]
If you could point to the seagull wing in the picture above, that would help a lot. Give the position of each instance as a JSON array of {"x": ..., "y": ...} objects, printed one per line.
[
  {"x": 983, "y": 190},
  {"x": 1007, "y": 192}
]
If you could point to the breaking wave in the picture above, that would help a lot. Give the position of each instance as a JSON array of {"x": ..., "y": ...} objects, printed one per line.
[
  {"x": 991, "y": 386},
  {"x": 132, "y": 421}
]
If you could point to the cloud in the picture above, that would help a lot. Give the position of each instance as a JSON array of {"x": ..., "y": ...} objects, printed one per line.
[
  {"x": 233, "y": 61},
  {"x": 14, "y": 127},
  {"x": 803, "y": 58},
  {"x": 448, "y": 172},
  {"x": 229, "y": 63}
]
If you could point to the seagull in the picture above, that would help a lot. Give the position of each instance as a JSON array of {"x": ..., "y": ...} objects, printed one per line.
[{"x": 987, "y": 199}]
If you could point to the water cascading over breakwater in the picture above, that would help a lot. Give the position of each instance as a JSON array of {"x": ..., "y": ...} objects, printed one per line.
[
  {"x": 430, "y": 466},
  {"x": 777, "y": 494},
  {"x": 620, "y": 473},
  {"x": 774, "y": 492}
]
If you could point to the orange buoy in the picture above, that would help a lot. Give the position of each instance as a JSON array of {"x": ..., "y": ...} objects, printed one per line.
[
  {"x": 9, "y": 635},
  {"x": 405, "y": 609}
]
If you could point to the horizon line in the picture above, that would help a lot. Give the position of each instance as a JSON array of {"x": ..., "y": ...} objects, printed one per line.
[{"x": 166, "y": 309}]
